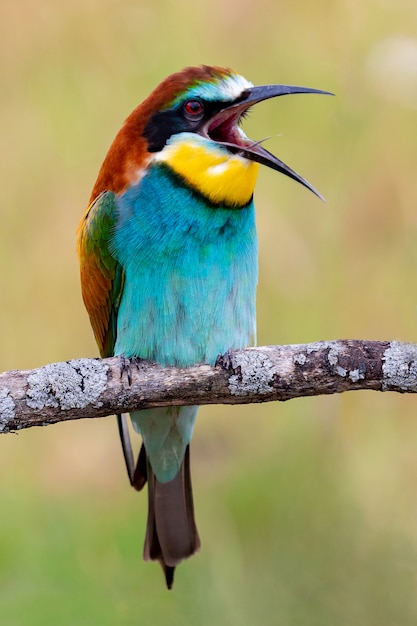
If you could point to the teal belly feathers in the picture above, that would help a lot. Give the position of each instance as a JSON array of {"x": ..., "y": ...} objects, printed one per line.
[{"x": 189, "y": 292}]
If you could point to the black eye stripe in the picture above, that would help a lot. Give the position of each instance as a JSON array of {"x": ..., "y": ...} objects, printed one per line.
[{"x": 167, "y": 122}]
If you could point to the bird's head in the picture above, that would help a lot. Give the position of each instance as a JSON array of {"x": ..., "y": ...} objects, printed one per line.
[{"x": 191, "y": 123}]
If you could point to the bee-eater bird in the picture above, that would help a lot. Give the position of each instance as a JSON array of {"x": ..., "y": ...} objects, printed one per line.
[{"x": 168, "y": 256}]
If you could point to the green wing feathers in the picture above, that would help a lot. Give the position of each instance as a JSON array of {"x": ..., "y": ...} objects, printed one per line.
[{"x": 101, "y": 275}]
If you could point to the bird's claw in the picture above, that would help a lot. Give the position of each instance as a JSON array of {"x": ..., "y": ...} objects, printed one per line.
[
  {"x": 226, "y": 360},
  {"x": 126, "y": 367}
]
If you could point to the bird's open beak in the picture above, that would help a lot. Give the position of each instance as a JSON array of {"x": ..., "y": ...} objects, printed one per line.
[{"x": 223, "y": 128}]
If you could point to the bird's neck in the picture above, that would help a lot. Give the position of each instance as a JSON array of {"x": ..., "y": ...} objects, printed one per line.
[{"x": 221, "y": 177}]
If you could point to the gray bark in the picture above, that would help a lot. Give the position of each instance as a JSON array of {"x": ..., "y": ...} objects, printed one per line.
[{"x": 87, "y": 388}]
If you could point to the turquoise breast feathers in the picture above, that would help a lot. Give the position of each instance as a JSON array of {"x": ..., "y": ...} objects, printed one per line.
[{"x": 190, "y": 273}]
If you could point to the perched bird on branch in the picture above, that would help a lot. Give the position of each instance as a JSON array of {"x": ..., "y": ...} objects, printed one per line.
[{"x": 168, "y": 256}]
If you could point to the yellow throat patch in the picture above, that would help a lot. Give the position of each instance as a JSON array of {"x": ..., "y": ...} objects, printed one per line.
[{"x": 221, "y": 177}]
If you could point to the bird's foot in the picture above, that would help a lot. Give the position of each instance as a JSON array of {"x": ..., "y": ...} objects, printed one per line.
[
  {"x": 226, "y": 360},
  {"x": 126, "y": 366}
]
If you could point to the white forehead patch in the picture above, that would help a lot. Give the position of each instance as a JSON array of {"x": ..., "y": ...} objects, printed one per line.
[
  {"x": 228, "y": 88},
  {"x": 233, "y": 86}
]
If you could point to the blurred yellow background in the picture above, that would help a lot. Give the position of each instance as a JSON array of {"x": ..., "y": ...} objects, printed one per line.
[{"x": 306, "y": 510}]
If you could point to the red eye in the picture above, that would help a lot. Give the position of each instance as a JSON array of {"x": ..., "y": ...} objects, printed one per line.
[{"x": 194, "y": 109}]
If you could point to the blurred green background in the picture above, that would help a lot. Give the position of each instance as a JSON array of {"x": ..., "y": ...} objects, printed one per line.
[{"x": 306, "y": 510}]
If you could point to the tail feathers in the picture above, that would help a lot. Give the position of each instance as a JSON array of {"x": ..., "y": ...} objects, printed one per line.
[
  {"x": 137, "y": 474},
  {"x": 140, "y": 475},
  {"x": 171, "y": 533},
  {"x": 126, "y": 445}
]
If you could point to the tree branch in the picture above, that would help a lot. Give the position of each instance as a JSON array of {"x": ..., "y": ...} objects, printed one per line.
[{"x": 86, "y": 388}]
